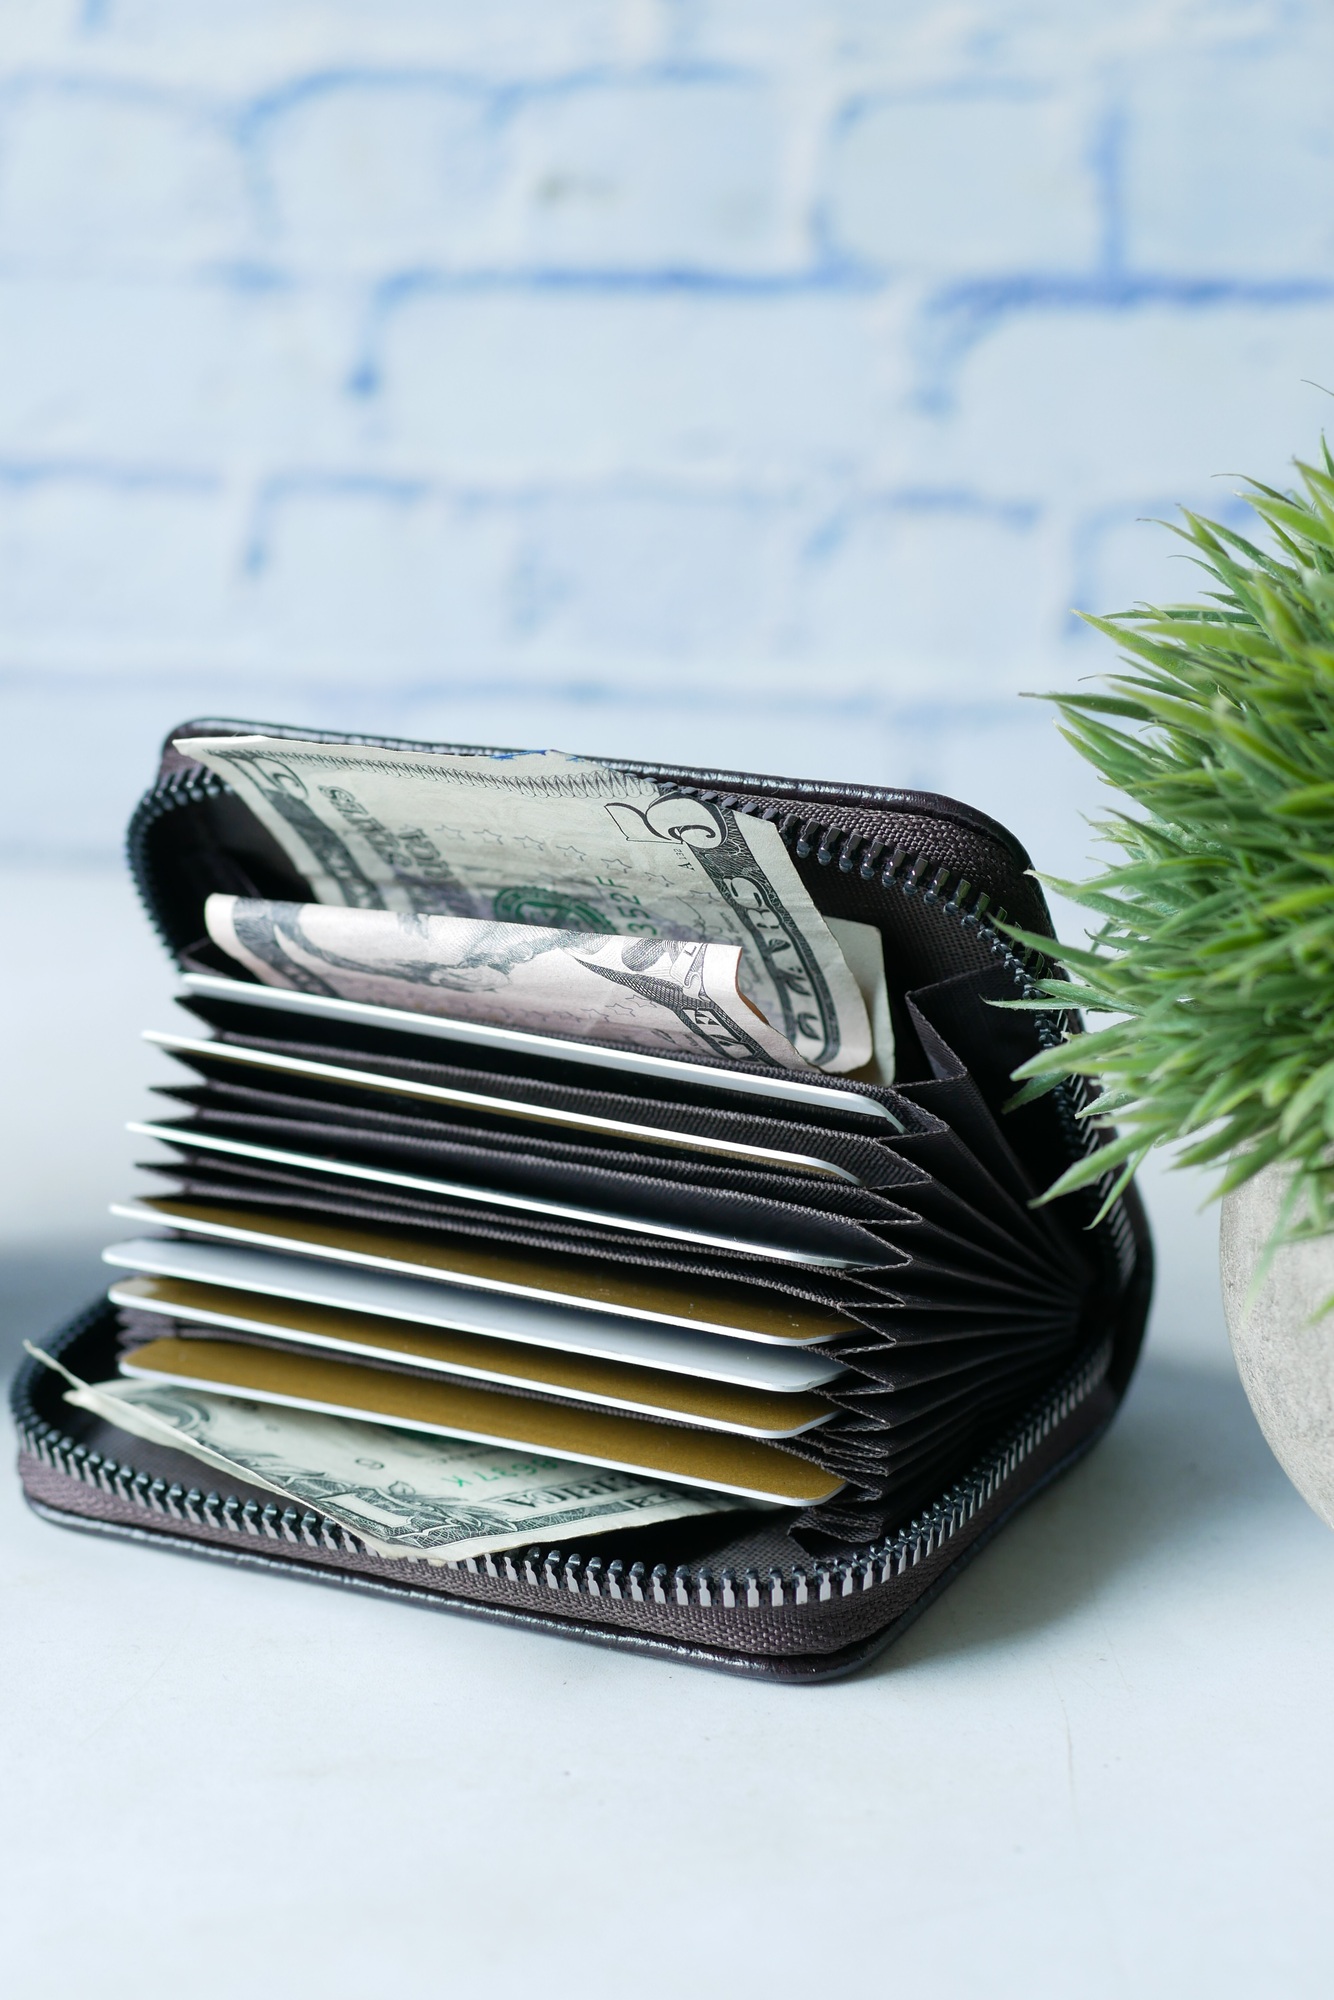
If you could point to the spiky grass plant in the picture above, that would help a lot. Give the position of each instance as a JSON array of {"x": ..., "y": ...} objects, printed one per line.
[{"x": 1215, "y": 942}]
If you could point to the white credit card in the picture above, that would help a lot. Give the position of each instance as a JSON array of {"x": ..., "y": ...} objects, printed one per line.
[
  {"x": 589, "y": 1218},
  {"x": 780, "y": 1367},
  {"x": 273, "y": 1062},
  {"x": 697, "y": 1076}
]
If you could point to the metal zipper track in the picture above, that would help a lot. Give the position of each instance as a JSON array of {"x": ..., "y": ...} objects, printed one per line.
[
  {"x": 572, "y": 1576},
  {"x": 170, "y": 794}
]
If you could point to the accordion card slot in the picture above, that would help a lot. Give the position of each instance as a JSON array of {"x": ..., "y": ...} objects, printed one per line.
[
  {"x": 779, "y": 1127},
  {"x": 781, "y": 1124},
  {"x": 750, "y": 1468},
  {"x": 190, "y": 1140},
  {"x": 173, "y": 1276},
  {"x": 903, "y": 1297},
  {"x": 520, "y": 1162},
  {"x": 214, "y": 1059},
  {"x": 701, "y": 1203},
  {"x": 197, "y": 1311},
  {"x": 901, "y": 1273},
  {"x": 777, "y": 1086},
  {"x": 734, "y": 1311}
]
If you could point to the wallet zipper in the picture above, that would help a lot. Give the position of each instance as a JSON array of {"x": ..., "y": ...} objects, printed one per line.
[
  {"x": 845, "y": 848},
  {"x": 561, "y": 1576}
]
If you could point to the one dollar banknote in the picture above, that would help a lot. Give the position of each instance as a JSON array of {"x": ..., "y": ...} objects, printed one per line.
[
  {"x": 559, "y": 842},
  {"x": 405, "y": 1494}
]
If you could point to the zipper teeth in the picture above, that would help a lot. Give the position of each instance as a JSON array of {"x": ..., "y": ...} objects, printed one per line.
[
  {"x": 873, "y": 858},
  {"x": 179, "y": 788},
  {"x": 572, "y": 1576}
]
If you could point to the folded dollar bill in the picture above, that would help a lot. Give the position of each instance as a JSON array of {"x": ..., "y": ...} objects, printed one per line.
[
  {"x": 558, "y": 842},
  {"x": 407, "y": 1495},
  {"x": 663, "y": 995}
]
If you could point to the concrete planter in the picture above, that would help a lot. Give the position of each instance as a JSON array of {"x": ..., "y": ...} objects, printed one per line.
[{"x": 1285, "y": 1354}]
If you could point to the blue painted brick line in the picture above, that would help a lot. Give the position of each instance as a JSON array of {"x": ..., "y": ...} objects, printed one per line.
[
  {"x": 99, "y": 172},
  {"x": 507, "y": 41},
  {"x": 960, "y": 318},
  {"x": 283, "y": 489},
  {"x": 412, "y": 585},
  {"x": 384, "y": 171},
  {"x": 422, "y": 583},
  {"x": 1230, "y": 163},
  {"x": 967, "y": 595},
  {"x": 364, "y": 172},
  {"x": 1125, "y": 553},
  {"x": 91, "y": 566},
  {"x": 564, "y": 384},
  {"x": 389, "y": 297},
  {"x": 501, "y": 94},
  {"x": 202, "y": 372},
  {"x": 380, "y": 171},
  {"x": 1092, "y": 408},
  {"x": 675, "y": 175},
  {"x": 633, "y": 575}
]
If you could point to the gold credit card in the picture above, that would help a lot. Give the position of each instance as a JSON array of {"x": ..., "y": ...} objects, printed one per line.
[
  {"x": 738, "y": 1309},
  {"x": 274, "y": 1063},
  {"x": 354, "y": 1336},
  {"x": 746, "y": 1466}
]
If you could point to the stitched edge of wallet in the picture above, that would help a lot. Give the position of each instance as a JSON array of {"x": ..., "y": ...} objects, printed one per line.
[{"x": 857, "y": 1608}]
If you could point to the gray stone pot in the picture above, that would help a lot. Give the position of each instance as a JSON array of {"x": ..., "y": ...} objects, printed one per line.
[{"x": 1285, "y": 1354}]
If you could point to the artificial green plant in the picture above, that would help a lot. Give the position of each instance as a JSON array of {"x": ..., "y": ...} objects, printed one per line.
[{"x": 1214, "y": 942}]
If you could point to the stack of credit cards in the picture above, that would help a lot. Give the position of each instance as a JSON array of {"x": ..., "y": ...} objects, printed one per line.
[{"x": 793, "y": 1289}]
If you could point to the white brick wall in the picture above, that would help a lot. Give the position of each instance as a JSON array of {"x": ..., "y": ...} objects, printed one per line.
[
  {"x": 760, "y": 380},
  {"x": 965, "y": 181}
]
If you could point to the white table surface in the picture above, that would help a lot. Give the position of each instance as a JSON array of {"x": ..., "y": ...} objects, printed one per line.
[{"x": 1102, "y": 1764}]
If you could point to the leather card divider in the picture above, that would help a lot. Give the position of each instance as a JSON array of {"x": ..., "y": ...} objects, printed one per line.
[
  {"x": 924, "y": 1168},
  {"x": 664, "y": 1398},
  {"x": 883, "y": 1450},
  {"x": 966, "y": 1301},
  {"x": 241, "y": 1107},
  {"x": 865, "y": 1293},
  {"x": 899, "y": 1268},
  {"x": 658, "y": 1126},
  {"x": 742, "y": 1223},
  {"x": 264, "y": 1195},
  {"x": 928, "y": 1152},
  {"x": 542, "y": 1078},
  {"x": 698, "y": 1192}
]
